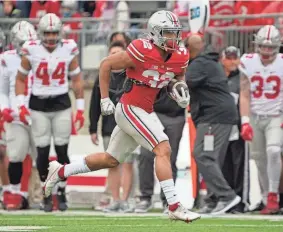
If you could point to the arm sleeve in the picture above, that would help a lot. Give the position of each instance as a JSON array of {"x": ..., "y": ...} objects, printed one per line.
[
  {"x": 195, "y": 76},
  {"x": 25, "y": 51},
  {"x": 4, "y": 88},
  {"x": 95, "y": 110},
  {"x": 73, "y": 47}
]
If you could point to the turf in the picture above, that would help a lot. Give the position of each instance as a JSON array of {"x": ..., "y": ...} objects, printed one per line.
[{"x": 80, "y": 223}]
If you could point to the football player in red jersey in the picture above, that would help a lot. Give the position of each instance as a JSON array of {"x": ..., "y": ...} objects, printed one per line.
[{"x": 150, "y": 65}]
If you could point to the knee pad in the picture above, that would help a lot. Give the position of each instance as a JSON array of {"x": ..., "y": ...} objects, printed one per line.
[
  {"x": 42, "y": 162},
  {"x": 15, "y": 171},
  {"x": 62, "y": 154},
  {"x": 62, "y": 127},
  {"x": 42, "y": 141},
  {"x": 18, "y": 142}
]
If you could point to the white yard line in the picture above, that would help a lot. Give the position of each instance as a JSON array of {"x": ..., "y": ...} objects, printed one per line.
[{"x": 128, "y": 216}]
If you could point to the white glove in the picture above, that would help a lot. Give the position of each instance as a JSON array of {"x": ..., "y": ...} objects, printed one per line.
[
  {"x": 182, "y": 100},
  {"x": 107, "y": 106}
]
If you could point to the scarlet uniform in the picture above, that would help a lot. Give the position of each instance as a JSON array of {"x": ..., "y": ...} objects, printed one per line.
[
  {"x": 135, "y": 123},
  {"x": 152, "y": 71}
]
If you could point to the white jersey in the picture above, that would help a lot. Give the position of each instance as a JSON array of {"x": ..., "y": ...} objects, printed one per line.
[
  {"x": 266, "y": 84},
  {"x": 50, "y": 69},
  {"x": 10, "y": 62}
]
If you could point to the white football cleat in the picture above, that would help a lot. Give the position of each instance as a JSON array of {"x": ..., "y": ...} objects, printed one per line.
[
  {"x": 52, "y": 178},
  {"x": 183, "y": 214}
]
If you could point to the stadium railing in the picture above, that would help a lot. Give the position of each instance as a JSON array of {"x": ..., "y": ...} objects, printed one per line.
[{"x": 93, "y": 37}]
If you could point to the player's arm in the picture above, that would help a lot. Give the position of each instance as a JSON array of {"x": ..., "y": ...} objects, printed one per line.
[
  {"x": 4, "y": 88},
  {"x": 244, "y": 98},
  {"x": 117, "y": 61},
  {"x": 22, "y": 74},
  {"x": 78, "y": 88},
  {"x": 77, "y": 82}
]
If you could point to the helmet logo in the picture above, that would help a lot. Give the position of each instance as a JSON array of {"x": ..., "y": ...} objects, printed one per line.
[{"x": 172, "y": 19}]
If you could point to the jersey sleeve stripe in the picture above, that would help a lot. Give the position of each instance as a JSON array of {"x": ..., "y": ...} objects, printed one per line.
[
  {"x": 24, "y": 51},
  {"x": 134, "y": 55},
  {"x": 136, "y": 50},
  {"x": 75, "y": 49}
]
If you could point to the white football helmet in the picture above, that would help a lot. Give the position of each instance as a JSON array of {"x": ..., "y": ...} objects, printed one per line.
[
  {"x": 165, "y": 30},
  {"x": 50, "y": 30},
  {"x": 21, "y": 32},
  {"x": 267, "y": 42}
]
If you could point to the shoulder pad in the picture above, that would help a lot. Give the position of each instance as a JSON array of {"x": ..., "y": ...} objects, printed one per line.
[
  {"x": 71, "y": 45},
  {"x": 139, "y": 49}
]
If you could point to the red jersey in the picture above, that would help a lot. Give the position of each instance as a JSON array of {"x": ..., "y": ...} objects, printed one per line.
[{"x": 153, "y": 71}]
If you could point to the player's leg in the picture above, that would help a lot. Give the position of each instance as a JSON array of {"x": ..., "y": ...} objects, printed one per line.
[
  {"x": 148, "y": 132},
  {"x": 17, "y": 147},
  {"x": 41, "y": 131},
  {"x": 174, "y": 130},
  {"x": 27, "y": 169},
  {"x": 4, "y": 164},
  {"x": 258, "y": 154},
  {"x": 120, "y": 145},
  {"x": 274, "y": 138},
  {"x": 61, "y": 131}
]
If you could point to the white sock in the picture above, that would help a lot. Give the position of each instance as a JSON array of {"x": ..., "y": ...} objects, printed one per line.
[
  {"x": 15, "y": 188},
  {"x": 24, "y": 194},
  {"x": 76, "y": 168},
  {"x": 169, "y": 191},
  {"x": 6, "y": 188},
  {"x": 273, "y": 169},
  {"x": 62, "y": 184}
]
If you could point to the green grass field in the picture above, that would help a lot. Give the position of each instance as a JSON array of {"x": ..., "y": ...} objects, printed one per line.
[{"x": 82, "y": 223}]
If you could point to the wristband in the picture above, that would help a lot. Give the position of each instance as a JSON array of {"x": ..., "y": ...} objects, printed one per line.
[
  {"x": 245, "y": 119},
  {"x": 21, "y": 100},
  {"x": 23, "y": 71},
  {"x": 80, "y": 104},
  {"x": 75, "y": 72}
]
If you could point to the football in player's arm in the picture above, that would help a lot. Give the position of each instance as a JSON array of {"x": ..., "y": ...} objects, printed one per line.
[{"x": 118, "y": 61}]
